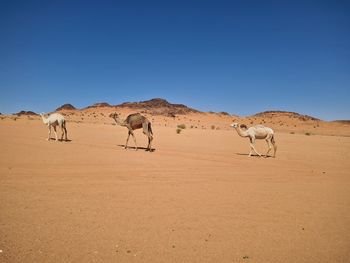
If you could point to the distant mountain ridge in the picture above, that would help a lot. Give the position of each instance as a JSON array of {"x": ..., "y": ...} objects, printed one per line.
[
  {"x": 66, "y": 106},
  {"x": 159, "y": 106},
  {"x": 99, "y": 105},
  {"x": 156, "y": 106},
  {"x": 27, "y": 113},
  {"x": 271, "y": 114}
]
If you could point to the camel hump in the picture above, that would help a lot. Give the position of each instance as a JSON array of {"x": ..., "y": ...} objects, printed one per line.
[
  {"x": 243, "y": 126},
  {"x": 136, "y": 119},
  {"x": 261, "y": 129},
  {"x": 134, "y": 116}
]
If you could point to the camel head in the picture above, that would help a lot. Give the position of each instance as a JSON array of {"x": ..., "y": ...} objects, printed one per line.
[
  {"x": 42, "y": 115},
  {"x": 234, "y": 125},
  {"x": 242, "y": 126},
  {"x": 44, "y": 119},
  {"x": 114, "y": 115}
]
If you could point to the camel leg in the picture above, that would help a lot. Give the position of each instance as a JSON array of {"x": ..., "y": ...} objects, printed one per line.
[
  {"x": 133, "y": 136},
  {"x": 65, "y": 132},
  {"x": 270, "y": 147},
  {"x": 147, "y": 133},
  {"x": 150, "y": 139},
  {"x": 54, "y": 129},
  {"x": 62, "y": 130},
  {"x": 126, "y": 144},
  {"x": 48, "y": 138},
  {"x": 253, "y": 148},
  {"x": 274, "y": 147}
]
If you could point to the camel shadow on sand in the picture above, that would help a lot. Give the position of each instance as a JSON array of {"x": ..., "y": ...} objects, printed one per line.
[
  {"x": 140, "y": 148},
  {"x": 60, "y": 140},
  {"x": 254, "y": 155}
]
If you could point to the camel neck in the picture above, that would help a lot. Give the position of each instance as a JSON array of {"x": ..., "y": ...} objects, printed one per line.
[
  {"x": 119, "y": 122},
  {"x": 44, "y": 119},
  {"x": 241, "y": 132}
]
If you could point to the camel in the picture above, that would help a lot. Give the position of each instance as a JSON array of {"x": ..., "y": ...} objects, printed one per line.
[
  {"x": 55, "y": 119},
  {"x": 257, "y": 132},
  {"x": 133, "y": 122}
]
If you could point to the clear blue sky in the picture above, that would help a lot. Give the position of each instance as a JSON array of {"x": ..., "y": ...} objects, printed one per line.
[{"x": 236, "y": 56}]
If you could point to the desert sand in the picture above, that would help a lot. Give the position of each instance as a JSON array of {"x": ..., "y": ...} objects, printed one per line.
[{"x": 197, "y": 198}]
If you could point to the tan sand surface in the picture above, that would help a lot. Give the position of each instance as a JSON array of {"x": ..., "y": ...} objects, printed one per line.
[{"x": 197, "y": 198}]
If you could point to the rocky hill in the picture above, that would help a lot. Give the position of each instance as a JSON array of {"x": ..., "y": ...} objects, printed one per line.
[
  {"x": 158, "y": 106},
  {"x": 26, "y": 113},
  {"x": 66, "y": 107},
  {"x": 288, "y": 114},
  {"x": 99, "y": 105}
]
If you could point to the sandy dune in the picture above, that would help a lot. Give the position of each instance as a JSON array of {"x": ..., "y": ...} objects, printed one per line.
[{"x": 197, "y": 198}]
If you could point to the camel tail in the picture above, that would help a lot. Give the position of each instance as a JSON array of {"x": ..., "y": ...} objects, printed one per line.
[{"x": 150, "y": 128}]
